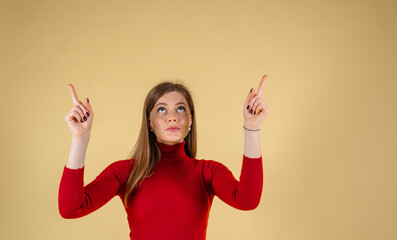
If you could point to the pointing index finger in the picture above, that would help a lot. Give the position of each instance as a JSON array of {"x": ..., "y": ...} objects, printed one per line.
[
  {"x": 74, "y": 94},
  {"x": 261, "y": 85}
]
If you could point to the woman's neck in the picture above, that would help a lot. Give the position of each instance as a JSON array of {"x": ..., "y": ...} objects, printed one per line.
[{"x": 172, "y": 152}]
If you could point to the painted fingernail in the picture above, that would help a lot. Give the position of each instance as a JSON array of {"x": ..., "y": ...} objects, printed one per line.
[
  {"x": 251, "y": 90},
  {"x": 87, "y": 114},
  {"x": 251, "y": 111},
  {"x": 88, "y": 100},
  {"x": 81, "y": 120},
  {"x": 85, "y": 118},
  {"x": 255, "y": 112},
  {"x": 248, "y": 107}
]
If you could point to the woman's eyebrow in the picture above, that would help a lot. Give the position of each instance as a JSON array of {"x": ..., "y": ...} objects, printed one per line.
[{"x": 161, "y": 103}]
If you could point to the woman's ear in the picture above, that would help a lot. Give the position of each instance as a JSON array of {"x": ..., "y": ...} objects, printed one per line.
[{"x": 149, "y": 123}]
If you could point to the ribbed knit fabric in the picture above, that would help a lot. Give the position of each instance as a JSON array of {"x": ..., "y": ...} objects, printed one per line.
[{"x": 174, "y": 202}]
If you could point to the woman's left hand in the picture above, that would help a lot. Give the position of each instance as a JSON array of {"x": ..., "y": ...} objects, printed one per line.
[{"x": 255, "y": 109}]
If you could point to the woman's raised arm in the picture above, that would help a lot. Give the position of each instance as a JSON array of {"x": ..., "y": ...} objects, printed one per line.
[
  {"x": 246, "y": 193},
  {"x": 76, "y": 200},
  {"x": 254, "y": 111},
  {"x": 79, "y": 119}
]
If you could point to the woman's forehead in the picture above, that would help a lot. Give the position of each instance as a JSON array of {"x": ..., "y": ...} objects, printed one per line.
[{"x": 173, "y": 97}]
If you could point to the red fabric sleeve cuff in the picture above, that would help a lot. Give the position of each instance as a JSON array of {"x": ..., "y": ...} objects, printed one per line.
[{"x": 258, "y": 158}]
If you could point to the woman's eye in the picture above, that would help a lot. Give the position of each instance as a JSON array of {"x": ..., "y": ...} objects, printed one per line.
[{"x": 161, "y": 108}]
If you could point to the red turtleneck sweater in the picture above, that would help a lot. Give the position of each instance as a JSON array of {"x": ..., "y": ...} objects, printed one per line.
[{"x": 174, "y": 202}]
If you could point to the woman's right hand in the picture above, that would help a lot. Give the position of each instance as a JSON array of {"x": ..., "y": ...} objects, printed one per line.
[{"x": 80, "y": 116}]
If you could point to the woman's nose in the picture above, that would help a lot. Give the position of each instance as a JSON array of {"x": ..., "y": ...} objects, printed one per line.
[{"x": 172, "y": 119}]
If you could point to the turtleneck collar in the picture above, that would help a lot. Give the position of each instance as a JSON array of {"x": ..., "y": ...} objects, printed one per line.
[{"x": 176, "y": 151}]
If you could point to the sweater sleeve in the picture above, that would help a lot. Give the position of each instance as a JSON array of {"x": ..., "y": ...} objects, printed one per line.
[
  {"x": 76, "y": 200},
  {"x": 244, "y": 194}
]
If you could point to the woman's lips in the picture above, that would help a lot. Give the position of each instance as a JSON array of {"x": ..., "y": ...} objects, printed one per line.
[{"x": 173, "y": 129}]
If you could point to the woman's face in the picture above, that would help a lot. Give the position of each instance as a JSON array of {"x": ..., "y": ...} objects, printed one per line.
[{"x": 170, "y": 110}]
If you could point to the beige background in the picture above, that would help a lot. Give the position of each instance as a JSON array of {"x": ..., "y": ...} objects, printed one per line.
[{"x": 328, "y": 143}]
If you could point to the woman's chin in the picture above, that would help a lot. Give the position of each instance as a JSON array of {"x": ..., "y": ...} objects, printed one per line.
[{"x": 173, "y": 139}]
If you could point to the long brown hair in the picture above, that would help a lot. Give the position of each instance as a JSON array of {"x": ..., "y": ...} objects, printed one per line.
[{"x": 145, "y": 153}]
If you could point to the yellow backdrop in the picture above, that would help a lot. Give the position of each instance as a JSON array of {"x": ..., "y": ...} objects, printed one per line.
[{"x": 328, "y": 143}]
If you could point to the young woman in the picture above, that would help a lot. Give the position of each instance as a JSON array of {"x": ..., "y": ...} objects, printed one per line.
[{"x": 166, "y": 192}]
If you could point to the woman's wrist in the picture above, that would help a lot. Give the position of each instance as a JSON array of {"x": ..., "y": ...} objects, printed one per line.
[
  {"x": 251, "y": 144},
  {"x": 248, "y": 129}
]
